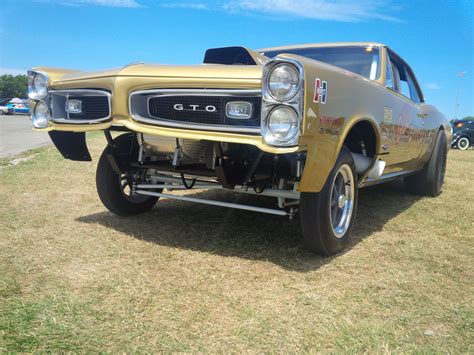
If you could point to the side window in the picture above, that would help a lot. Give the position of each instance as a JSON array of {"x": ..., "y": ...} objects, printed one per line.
[
  {"x": 405, "y": 87},
  {"x": 389, "y": 80},
  {"x": 415, "y": 97},
  {"x": 400, "y": 79},
  {"x": 396, "y": 76}
]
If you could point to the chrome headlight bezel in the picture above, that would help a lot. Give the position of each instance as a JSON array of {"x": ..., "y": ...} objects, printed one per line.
[
  {"x": 38, "y": 84},
  {"x": 270, "y": 103},
  {"x": 292, "y": 71}
]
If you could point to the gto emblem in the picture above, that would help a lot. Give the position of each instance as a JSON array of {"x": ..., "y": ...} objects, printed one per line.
[{"x": 181, "y": 107}]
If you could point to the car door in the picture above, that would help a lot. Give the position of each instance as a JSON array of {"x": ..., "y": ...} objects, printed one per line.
[{"x": 403, "y": 118}]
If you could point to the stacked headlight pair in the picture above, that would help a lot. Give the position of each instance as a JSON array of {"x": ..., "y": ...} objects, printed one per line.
[
  {"x": 38, "y": 92},
  {"x": 282, "y": 102}
]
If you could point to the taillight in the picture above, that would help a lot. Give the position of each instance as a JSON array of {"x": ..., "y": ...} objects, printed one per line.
[{"x": 459, "y": 124}]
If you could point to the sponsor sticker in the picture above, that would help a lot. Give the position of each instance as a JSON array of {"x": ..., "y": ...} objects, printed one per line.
[
  {"x": 320, "y": 91},
  {"x": 330, "y": 125},
  {"x": 387, "y": 115}
]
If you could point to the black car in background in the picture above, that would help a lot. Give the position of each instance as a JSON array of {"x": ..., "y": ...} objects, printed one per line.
[{"x": 463, "y": 134}]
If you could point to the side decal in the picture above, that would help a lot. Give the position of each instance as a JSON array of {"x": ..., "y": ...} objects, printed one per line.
[{"x": 320, "y": 91}]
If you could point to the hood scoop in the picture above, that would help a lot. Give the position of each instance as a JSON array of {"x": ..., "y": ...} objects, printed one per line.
[{"x": 234, "y": 56}]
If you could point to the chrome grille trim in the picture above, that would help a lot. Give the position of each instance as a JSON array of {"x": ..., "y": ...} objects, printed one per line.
[
  {"x": 65, "y": 116},
  {"x": 149, "y": 119}
]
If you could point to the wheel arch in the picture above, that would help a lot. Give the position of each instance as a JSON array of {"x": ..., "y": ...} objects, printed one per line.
[{"x": 321, "y": 160}]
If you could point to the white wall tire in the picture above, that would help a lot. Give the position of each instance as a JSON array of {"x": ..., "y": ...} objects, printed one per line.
[{"x": 463, "y": 143}]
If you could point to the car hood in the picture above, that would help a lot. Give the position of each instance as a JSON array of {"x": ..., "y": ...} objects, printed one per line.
[{"x": 207, "y": 71}]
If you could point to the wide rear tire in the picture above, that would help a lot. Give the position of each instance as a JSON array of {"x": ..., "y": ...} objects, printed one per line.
[
  {"x": 327, "y": 217},
  {"x": 429, "y": 180}
]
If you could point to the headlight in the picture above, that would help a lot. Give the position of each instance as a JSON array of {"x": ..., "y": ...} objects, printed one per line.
[
  {"x": 283, "y": 82},
  {"x": 282, "y": 123},
  {"x": 37, "y": 85},
  {"x": 40, "y": 117}
]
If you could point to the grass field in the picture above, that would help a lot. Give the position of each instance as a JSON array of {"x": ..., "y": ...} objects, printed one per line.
[{"x": 188, "y": 277}]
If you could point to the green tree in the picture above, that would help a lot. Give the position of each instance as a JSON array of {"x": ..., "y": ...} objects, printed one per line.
[
  {"x": 13, "y": 86},
  {"x": 469, "y": 118}
]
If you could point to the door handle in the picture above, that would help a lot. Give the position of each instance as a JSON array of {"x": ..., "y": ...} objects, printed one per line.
[{"x": 422, "y": 115}]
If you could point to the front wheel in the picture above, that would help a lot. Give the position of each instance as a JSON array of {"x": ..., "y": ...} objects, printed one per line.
[
  {"x": 327, "y": 217},
  {"x": 114, "y": 189}
]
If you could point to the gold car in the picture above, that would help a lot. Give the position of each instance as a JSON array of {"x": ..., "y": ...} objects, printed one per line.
[{"x": 307, "y": 125}]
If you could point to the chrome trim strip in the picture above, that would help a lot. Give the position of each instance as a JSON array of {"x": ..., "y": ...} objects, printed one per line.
[
  {"x": 192, "y": 92},
  {"x": 85, "y": 91},
  {"x": 201, "y": 92}
]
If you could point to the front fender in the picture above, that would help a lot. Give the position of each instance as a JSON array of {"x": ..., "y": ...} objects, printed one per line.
[
  {"x": 350, "y": 98},
  {"x": 323, "y": 151}
]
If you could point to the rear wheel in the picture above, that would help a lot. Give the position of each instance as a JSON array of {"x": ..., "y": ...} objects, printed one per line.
[
  {"x": 327, "y": 217},
  {"x": 114, "y": 188},
  {"x": 464, "y": 143},
  {"x": 430, "y": 179}
]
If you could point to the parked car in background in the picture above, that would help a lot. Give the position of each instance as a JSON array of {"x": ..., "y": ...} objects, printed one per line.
[
  {"x": 307, "y": 125},
  {"x": 463, "y": 134},
  {"x": 18, "y": 106},
  {"x": 3, "y": 106}
]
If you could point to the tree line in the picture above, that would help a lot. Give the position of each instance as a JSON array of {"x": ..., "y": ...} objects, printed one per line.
[{"x": 13, "y": 86}]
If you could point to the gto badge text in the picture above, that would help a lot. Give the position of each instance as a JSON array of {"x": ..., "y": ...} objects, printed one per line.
[{"x": 181, "y": 107}]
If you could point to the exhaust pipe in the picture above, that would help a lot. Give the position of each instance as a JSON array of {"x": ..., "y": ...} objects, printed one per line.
[{"x": 363, "y": 163}]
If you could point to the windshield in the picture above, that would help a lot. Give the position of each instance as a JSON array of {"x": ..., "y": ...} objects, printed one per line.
[{"x": 362, "y": 60}]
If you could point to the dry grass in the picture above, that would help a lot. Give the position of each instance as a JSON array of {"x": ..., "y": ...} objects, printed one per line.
[{"x": 188, "y": 277}]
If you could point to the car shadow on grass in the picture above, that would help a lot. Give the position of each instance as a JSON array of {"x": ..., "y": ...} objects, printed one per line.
[{"x": 250, "y": 235}]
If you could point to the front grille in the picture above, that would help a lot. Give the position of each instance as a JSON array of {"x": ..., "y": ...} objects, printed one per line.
[
  {"x": 193, "y": 110},
  {"x": 93, "y": 107},
  {"x": 202, "y": 109}
]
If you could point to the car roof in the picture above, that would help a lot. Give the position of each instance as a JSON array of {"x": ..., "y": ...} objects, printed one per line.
[{"x": 329, "y": 44}]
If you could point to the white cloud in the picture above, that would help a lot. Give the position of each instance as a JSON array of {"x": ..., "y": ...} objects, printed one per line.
[
  {"x": 109, "y": 3},
  {"x": 194, "y": 6},
  {"x": 332, "y": 10},
  {"x": 433, "y": 86},
  {"x": 12, "y": 71}
]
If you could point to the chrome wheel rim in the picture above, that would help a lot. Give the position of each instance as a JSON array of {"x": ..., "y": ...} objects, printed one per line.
[
  {"x": 342, "y": 200},
  {"x": 463, "y": 144}
]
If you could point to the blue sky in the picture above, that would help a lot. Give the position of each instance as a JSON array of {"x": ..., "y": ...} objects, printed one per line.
[{"x": 434, "y": 37}]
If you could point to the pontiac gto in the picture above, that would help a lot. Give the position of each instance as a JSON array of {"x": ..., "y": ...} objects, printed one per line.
[{"x": 308, "y": 125}]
